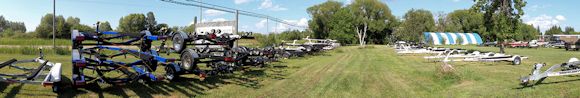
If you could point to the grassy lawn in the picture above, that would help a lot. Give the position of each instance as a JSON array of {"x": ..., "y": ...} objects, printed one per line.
[
  {"x": 33, "y": 41},
  {"x": 346, "y": 72}
]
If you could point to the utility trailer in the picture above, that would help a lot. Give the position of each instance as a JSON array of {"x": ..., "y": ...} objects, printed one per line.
[
  {"x": 46, "y": 74},
  {"x": 98, "y": 52},
  {"x": 572, "y": 67},
  {"x": 482, "y": 57}
]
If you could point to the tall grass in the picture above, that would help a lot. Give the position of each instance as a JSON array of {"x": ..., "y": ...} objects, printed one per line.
[
  {"x": 33, "y": 41},
  {"x": 28, "y": 50}
]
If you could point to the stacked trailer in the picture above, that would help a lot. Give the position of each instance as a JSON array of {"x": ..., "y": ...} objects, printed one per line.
[
  {"x": 214, "y": 44},
  {"x": 100, "y": 58},
  {"x": 47, "y": 73}
]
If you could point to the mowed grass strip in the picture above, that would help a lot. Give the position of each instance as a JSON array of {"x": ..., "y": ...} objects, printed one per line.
[{"x": 345, "y": 72}]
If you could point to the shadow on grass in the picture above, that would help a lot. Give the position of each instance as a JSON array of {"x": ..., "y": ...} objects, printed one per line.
[
  {"x": 547, "y": 83},
  {"x": 190, "y": 87}
]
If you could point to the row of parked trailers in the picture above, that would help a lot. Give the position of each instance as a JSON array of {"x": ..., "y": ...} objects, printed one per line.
[
  {"x": 102, "y": 57},
  {"x": 446, "y": 55}
]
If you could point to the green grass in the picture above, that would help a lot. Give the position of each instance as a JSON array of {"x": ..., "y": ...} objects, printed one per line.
[
  {"x": 33, "y": 41},
  {"x": 374, "y": 71}
]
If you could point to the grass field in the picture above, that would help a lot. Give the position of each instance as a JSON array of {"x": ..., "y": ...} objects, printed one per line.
[{"x": 346, "y": 72}]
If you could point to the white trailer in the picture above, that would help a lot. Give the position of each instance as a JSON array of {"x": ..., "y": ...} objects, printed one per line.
[
  {"x": 46, "y": 74},
  {"x": 564, "y": 69},
  {"x": 485, "y": 57}
]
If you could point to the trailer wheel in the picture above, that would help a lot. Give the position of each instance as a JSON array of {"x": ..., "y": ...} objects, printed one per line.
[
  {"x": 56, "y": 87},
  {"x": 189, "y": 60},
  {"x": 517, "y": 61},
  {"x": 170, "y": 73},
  {"x": 178, "y": 40}
]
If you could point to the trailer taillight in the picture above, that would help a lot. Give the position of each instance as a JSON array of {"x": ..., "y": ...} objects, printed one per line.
[
  {"x": 80, "y": 63},
  {"x": 229, "y": 59}
]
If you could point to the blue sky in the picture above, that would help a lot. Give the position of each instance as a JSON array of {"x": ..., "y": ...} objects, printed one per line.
[{"x": 543, "y": 13}]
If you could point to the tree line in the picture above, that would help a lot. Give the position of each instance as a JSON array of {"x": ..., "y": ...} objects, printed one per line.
[
  {"x": 494, "y": 20},
  {"x": 132, "y": 23}
]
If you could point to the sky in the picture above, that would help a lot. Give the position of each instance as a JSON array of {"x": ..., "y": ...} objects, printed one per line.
[{"x": 540, "y": 13}]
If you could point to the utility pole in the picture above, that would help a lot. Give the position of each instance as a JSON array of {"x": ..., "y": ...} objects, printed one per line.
[
  {"x": 236, "y": 27},
  {"x": 267, "y": 25},
  {"x": 53, "y": 23},
  {"x": 200, "y": 13}
]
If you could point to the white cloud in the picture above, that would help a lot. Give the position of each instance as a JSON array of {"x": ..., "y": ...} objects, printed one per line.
[
  {"x": 261, "y": 24},
  {"x": 545, "y": 21},
  {"x": 560, "y": 17},
  {"x": 302, "y": 22},
  {"x": 219, "y": 19},
  {"x": 347, "y": 2},
  {"x": 267, "y": 4},
  {"x": 211, "y": 12},
  {"x": 456, "y": 0},
  {"x": 241, "y": 1}
]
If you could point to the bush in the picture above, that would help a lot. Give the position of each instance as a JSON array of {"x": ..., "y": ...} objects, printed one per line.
[{"x": 29, "y": 50}]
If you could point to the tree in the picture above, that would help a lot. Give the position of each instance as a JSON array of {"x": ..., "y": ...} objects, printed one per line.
[
  {"x": 342, "y": 28},
  {"x": 189, "y": 29},
  {"x": 44, "y": 29},
  {"x": 74, "y": 24},
  {"x": 501, "y": 17},
  {"x": 371, "y": 16},
  {"x": 554, "y": 30},
  {"x": 416, "y": 22},
  {"x": 2, "y": 23},
  {"x": 105, "y": 26},
  {"x": 321, "y": 16},
  {"x": 526, "y": 32},
  {"x": 569, "y": 30},
  {"x": 151, "y": 23},
  {"x": 132, "y": 23}
]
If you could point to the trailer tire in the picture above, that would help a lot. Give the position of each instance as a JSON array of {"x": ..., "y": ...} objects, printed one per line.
[
  {"x": 179, "y": 41},
  {"x": 56, "y": 87},
  {"x": 517, "y": 60},
  {"x": 189, "y": 60},
  {"x": 171, "y": 73}
]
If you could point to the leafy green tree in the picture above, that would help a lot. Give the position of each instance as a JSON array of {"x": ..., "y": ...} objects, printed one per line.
[
  {"x": 526, "y": 32},
  {"x": 189, "y": 29},
  {"x": 373, "y": 18},
  {"x": 569, "y": 30},
  {"x": 74, "y": 24},
  {"x": 151, "y": 23},
  {"x": 105, "y": 26},
  {"x": 554, "y": 30},
  {"x": 44, "y": 29},
  {"x": 342, "y": 28},
  {"x": 132, "y": 23},
  {"x": 416, "y": 22},
  {"x": 321, "y": 16},
  {"x": 501, "y": 17}
]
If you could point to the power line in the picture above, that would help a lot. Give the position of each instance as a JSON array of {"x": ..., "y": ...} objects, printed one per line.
[{"x": 231, "y": 10}]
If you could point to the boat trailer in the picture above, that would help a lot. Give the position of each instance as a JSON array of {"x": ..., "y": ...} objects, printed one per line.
[{"x": 46, "y": 74}]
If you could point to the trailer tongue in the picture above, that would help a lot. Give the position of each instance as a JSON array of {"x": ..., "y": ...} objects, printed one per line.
[{"x": 569, "y": 68}]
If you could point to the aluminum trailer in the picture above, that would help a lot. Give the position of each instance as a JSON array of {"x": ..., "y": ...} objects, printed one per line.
[
  {"x": 569, "y": 68},
  {"x": 46, "y": 74}
]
